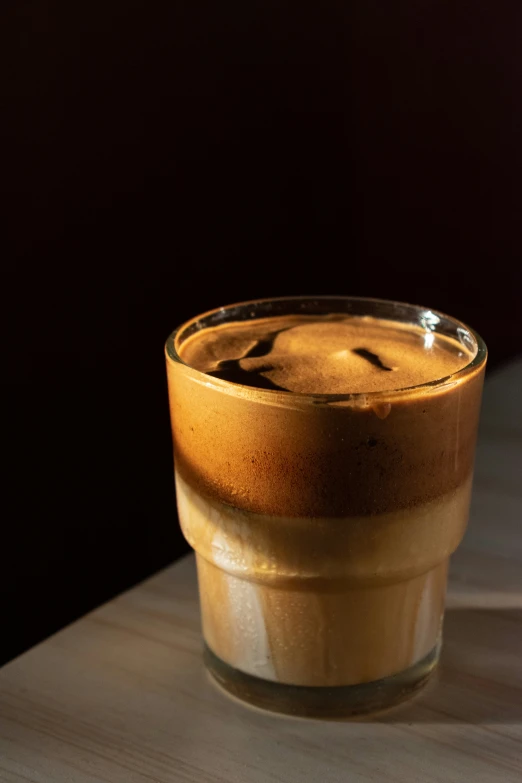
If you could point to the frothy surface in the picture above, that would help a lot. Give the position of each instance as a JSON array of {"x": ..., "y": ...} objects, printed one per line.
[{"x": 333, "y": 354}]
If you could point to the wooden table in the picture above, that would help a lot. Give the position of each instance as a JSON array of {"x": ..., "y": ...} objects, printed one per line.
[{"x": 121, "y": 696}]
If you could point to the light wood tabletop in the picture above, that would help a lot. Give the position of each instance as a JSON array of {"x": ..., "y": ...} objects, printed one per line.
[{"x": 121, "y": 696}]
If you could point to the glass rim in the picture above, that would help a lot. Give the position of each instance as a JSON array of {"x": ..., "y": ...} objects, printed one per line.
[{"x": 223, "y": 385}]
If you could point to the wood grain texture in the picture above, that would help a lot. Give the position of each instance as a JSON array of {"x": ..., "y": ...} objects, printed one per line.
[{"x": 121, "y": 696}]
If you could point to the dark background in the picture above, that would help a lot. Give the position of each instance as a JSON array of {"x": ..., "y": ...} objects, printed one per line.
[{"x": 164, "y": 158}]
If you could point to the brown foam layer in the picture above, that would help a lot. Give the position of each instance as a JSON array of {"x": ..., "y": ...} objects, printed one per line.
[
  {"x": 273, "y": 457},
  {"x": 324, "y": 354}
]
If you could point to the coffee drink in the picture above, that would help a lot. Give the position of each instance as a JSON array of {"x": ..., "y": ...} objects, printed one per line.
[{"x": 323, "y": 457}]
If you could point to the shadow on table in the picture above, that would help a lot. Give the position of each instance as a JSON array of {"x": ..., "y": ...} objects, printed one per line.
[{"x": 479, "y": 679}]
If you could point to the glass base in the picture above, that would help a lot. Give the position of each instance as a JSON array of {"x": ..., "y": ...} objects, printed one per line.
[{"x": 342, "y": 701}]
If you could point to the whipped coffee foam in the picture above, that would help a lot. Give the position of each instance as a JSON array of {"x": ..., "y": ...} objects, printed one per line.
[{"x": 324, "y": 354}]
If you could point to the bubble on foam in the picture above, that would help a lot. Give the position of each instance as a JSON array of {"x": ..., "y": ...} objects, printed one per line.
[{"x": 382, "y": 411}]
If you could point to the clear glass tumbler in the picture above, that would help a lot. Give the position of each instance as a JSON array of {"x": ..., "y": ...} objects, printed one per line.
[{"x": 323, "y": 524}]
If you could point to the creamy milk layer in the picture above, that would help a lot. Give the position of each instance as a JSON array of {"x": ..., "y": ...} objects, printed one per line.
[{"x": 322, "y": 601}]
